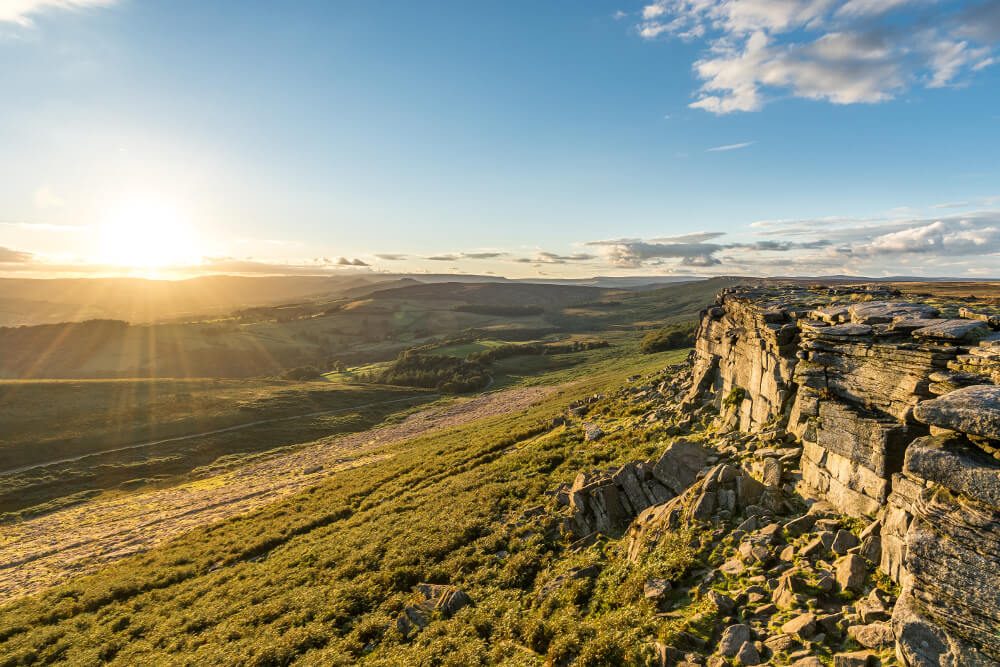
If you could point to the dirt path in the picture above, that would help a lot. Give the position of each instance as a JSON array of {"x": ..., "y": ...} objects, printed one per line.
[
  {"x": 53, "y": 548},
  {"x": 226, "y": 429}
]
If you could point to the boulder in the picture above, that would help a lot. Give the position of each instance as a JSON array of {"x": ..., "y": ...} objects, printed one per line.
[
  {"x": 974, "y": 410},
  {"x": 843, "y": 541},
  {"x": 873, "y": 635},
  {"x": 678, "y": 467},
  {"x": 789, "y": 589},
  {"x": 954, "y": 330},
  {"x": 748, "y": 655},
  {"x": 803, "y": 626},
  {"x": 884, "y": 312},
  {"x": 851, "y": 573},
  {"x": 430, "y": 598},
  {"x": 733, "y": 639},
  {"x": 856, "y": 659}
]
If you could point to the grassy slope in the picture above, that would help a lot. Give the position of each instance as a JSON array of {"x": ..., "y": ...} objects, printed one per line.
[{"x": 319, "y": 577}]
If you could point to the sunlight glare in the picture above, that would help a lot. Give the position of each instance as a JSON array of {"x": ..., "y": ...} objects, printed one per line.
[{"x": 147, "y": 234}]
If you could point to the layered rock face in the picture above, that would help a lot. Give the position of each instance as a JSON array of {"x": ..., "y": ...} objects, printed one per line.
[{"x": 896, "y": 408}]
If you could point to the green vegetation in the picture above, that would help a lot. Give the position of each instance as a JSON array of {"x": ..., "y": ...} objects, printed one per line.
[
  {"x": 319, "y": 578},
  {"x": 673, "y": 337},
  {"x": 86, "y": 430},
  {"x": 507, "y": 351},
  {"x": 446, "y": 374},
  {"x": 499, "y": 310}
]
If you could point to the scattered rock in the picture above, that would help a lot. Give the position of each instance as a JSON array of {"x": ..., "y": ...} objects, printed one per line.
[
  {"x": 678, "y": 467},
  {"x": 431, "y": 598},
  {"x": 873, "y": 635},
  {"x": 856, "y": 659},
  {"x": 655, "y": 589},
  {"x": 851, "y": 573},
  {"x": 803, "y": 625},
  {"x": 747, "y": 655},
  {"x": 733, "y": 639},
  {"x": 810, "y": 661},
  {"x": 801, "y": 525},
  {"x": 843, "y": 541},
  {"x": 723, "y": 603}
]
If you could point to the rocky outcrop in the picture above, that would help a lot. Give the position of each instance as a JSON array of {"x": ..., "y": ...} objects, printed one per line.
[
  {"x": 898, "y": 415},
  {"x": 607, "y": 502},
  {"x": 430, "y": 599}
]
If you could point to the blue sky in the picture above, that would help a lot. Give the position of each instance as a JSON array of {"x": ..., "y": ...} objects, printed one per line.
[{"x": 559, "y": 138}]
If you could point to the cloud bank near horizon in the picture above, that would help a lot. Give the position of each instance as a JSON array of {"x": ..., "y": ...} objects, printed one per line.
[{"x": 956, "y": 244}]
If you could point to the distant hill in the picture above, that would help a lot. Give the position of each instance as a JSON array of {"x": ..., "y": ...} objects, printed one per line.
[
  {"x": 137, "y": 300},
  {"x": 498, "y": 294}
]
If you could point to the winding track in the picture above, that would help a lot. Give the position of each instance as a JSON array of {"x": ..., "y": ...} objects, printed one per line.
[{"x": 51, "y": 549}]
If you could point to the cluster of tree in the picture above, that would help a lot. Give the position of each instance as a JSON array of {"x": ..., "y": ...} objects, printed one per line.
[
  {"x": 446, "y": 374},
  {"x": 303, "y": 373},
  {"x": 508, "y": 351},
  {"x": 500, "y": 310},
  {"x": 673, "y": 337}
]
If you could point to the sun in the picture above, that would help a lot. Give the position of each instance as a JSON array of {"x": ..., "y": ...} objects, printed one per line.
[{"x": 147, "y": 234}]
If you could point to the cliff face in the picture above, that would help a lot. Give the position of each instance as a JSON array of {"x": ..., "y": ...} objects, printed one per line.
[{"x": 897, "y": 411}]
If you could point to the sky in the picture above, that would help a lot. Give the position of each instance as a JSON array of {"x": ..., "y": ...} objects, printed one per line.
[{"x": 524, "y": 138}]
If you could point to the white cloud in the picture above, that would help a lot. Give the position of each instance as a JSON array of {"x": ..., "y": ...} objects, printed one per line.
[
  {"x": 844, "y": 52},
  {"x": 20, "y": 11},
  {"x": 730, "y": 147}
]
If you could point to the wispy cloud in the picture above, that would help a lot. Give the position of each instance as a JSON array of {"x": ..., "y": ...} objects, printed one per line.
[
  {"x": 21, "y": 11},
  {"x": 456, "y": 256},
  {"x": 9, "y": 256},
  {"x": 390, "y": 256},
  {"x": 844, "y": 52},
  {"x": 544, "y": 257},
  {"x": 730, "y": 147},
  {"x": 46, "y": 227},
  {"x": 343, "y": 261}
]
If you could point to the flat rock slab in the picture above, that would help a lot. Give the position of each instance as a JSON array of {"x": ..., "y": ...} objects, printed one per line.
[
  {"x": 974, "y": 410},
  {"x": 954, "y": 463},
  {"x": 846, "y": 331},
  {"x": 960, "y": 330},
  {"x": 884, "y": 312}
]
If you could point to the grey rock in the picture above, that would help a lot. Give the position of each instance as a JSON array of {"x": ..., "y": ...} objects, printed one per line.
[
  {"x": 873, "y": 635},
  {"x": 803, "y": 626},
  {"x": 855, "y": 659},
  {"x": 974, "y": 410},
  {"x": 680, "y": 464},
  {"x": 884, "y": 312},
  {"x": 810, "y": 661},
  {"x": 957, "y": 465},
  {"x": 747, "y": 655},
  {"x": 843, "y": 541},
  {"x": 430, "y": 598},
  {"x": 733, "y": 639},
  {"x": 954, "y": 330},
  {"x": 802, "y": 524},
  {"x": 655, "y": 589},
  {"x": 723, "y": 603},
  {"x": 851, "y": 572}
]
